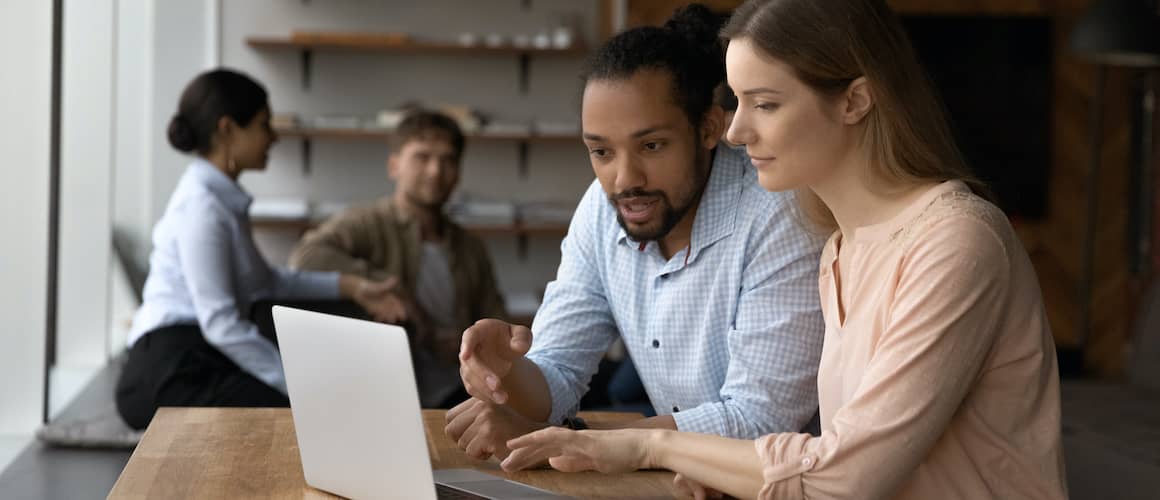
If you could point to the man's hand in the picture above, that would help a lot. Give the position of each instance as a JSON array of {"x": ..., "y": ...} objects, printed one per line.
[
  {"x": 486, "y": 355},
  {"x": 482, "y": 429},
  {"x": 380, "y": 299}
]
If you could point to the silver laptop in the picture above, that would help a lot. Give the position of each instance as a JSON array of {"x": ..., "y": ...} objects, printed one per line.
[{"x": 356, "y": 414}]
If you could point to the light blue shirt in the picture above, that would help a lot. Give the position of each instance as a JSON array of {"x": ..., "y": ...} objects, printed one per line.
[
  {"x": 205, "y": 269},
  {"x": 726, "y": 335}
]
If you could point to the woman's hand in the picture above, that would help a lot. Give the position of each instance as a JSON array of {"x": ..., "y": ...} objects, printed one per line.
[
  {"x": 573, "y": 451},
  {"x": 684, "y": 487}
]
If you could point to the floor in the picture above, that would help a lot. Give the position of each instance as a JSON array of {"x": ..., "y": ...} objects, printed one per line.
[
  {"x": 65, "y": 383},
  {"x": 1111, "y": 438},
  {"x": 10, "y": 448},
  {"x": 41, "y": 472}
]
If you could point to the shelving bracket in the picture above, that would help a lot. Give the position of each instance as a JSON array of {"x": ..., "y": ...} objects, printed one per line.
[
  {"x": 525, "y": 72},
  {"x": 307, "y": 61},
  {"x": 307, "y": 156},
  {"x": 523, "y": 151},
  {"x": 522, "y": 245}
]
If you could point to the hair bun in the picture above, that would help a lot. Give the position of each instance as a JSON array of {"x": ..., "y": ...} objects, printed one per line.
[
  {"x": 181, "y": 135},
  {"x": 697, "y": 24}
]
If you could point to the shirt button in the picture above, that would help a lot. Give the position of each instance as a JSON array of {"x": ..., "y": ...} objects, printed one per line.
[
  {"x": 656, "y": 344},
  {"x": 675, "y": 409},
  {"x": 808, "y": 461}
]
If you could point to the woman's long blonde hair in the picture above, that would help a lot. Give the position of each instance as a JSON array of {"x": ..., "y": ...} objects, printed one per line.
[{"x": 830, "y": 43}]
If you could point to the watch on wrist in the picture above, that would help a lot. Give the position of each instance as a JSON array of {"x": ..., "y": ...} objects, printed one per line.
[{"x": 575, "y": 423}]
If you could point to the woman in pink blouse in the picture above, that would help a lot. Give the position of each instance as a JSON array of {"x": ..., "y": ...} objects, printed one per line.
[{"x": 938, "y": 376}]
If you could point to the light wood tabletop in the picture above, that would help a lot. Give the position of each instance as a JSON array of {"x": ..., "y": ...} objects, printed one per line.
[{"x": 253, "y": 452}]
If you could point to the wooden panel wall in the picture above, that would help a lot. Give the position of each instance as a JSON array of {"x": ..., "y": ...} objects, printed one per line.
[{"x": 1055, "y": 242}]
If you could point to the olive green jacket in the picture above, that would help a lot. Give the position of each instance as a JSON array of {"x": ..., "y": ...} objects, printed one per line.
[{"x": 378, "y": 241}]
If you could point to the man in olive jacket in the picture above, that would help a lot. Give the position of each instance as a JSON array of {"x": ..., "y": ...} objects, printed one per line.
[{"x": 444, "y": 273}]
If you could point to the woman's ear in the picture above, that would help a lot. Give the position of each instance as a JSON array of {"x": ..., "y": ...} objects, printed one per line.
[
  {"x": 859, "y": 98},
  {"x": 225, "y": 127},
  {"x": 712, "y": 127}
]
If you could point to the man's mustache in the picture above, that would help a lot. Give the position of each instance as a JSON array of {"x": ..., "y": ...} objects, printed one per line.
[{"x": 636, "y": 193}]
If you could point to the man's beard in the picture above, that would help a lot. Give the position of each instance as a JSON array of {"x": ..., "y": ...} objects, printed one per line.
[
  {"x": 419, "y": 202},
  {"x": 671, "y": 214}
]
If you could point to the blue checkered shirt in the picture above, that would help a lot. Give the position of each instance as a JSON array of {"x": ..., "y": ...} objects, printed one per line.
[{"x": 726, "y": 334}]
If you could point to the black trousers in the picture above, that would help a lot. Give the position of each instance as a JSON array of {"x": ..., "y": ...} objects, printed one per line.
[{"x": 175, "y": 366}]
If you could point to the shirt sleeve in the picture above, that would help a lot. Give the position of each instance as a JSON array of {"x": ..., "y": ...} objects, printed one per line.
[
  {"x": 341, "y": 244},
  {"x": 305, "y": 285},
  {"x": 951, "y": 288},
  {"x": 574, "y": 327},
  {"x": 775, "y": 343},
  {"x": 205, "y": 251}
]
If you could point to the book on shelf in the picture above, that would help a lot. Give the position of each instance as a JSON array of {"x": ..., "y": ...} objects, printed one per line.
[
  {"x": 557, "y": 127},
  {"x": 504, "y": 129},
  {"x": 280, "y": 209},
  {"x": 326, "y": 209},
  {"x": 483, "y": 213},
  {"x": 521, "y": 303},
  {"x": 337, "y": 122},
  {"x": 546, "y": 213}
]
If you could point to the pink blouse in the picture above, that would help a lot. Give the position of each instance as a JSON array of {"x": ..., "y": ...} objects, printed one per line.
[{"x": 938, "y": 378}]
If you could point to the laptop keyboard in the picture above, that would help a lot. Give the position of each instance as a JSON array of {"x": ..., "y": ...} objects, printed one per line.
[{"x": 444, "y": 492}]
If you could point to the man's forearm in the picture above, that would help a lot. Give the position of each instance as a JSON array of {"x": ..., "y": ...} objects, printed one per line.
[{"x": 528, "y": 391}]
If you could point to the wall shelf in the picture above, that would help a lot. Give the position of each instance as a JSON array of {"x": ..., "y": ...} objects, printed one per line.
[
  {"x": 521, "y": 230},
  {"x": 406, "y": 47},
  {"x": 308, "y": 134},
  {"x": 516, "y": 229},
  {"x": 363, "y": 134},
  {"x": 385, "y": 44},
  {"x": 306, "y": 44}
]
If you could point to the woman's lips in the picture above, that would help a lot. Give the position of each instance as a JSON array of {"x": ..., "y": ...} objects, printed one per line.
[{"x": 760, "y": 162}]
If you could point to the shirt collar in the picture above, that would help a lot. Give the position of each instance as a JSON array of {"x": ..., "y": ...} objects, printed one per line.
[
  {"x": 226, "y": 190},
  {"x": 717, "y": 212}
]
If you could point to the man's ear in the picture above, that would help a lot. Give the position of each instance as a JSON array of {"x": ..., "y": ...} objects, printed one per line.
[
  {"x": 393, "y": 166},
  {"x": 859, "y": 100},
  {"x": 712, "y": 127}
]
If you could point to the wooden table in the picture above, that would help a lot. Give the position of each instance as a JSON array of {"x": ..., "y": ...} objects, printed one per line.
[{"x": 253, "y": 452}]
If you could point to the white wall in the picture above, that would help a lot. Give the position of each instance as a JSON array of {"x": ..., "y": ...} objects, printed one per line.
[
  {"x": 87, "y": 107},
  {"x": 364, "y": 83},
  {"x": 133, "y": 141},
  {"x": 182, "y": 33},
  {"x": 125, "y": 63},
  {"x": 160, "y": 46},
  {"x": 25, "y": 97}
]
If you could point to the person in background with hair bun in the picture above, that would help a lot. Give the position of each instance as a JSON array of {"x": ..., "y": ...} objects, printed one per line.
[
  {"x": 190, "y": 343},
  {"x": 676, "y": 249}
]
